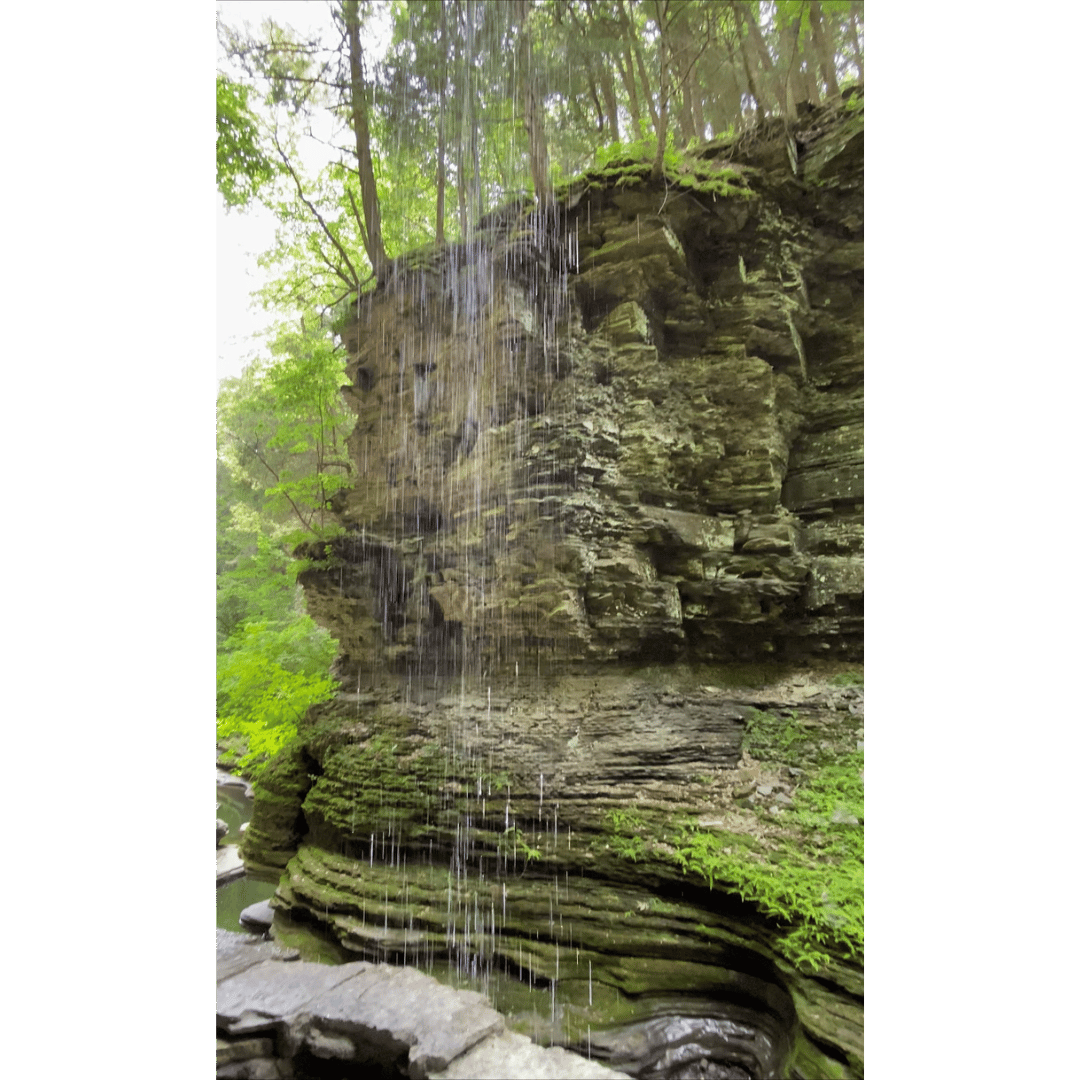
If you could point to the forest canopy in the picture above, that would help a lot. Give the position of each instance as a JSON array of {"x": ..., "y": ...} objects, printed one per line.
[{"x": 436, "y": 111}]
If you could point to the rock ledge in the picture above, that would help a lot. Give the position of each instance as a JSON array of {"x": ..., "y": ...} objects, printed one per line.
[{"x": 273, "y": 1010}]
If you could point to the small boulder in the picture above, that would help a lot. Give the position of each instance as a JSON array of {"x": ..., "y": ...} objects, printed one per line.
[
  {"x": 222, "y": 830},
  {"x": 258, "y": 916}
]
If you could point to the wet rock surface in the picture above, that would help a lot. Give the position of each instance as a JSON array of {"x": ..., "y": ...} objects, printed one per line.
[
  {"x": 610, "y": 459},
  {"x": 540, "y": 779},
  {"x": 229, "y": 863},
  {"x": 279, "y": 1018},
  {"x": 628, "y": 428},
  {"x": 258, "y": 916},
  {"x": 679, "y": 1046}
]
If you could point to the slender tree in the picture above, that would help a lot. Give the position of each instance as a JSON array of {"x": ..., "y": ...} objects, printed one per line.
[
  {"x": 371, "y": 226},
  {"x": 531, "y": 101}
]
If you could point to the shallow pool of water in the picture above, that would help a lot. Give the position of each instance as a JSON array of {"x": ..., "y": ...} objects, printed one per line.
[
  {"x": 234, "y": 808},
  {"x": 236, "y": 895}
]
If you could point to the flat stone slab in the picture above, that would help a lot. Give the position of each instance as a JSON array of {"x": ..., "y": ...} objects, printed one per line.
[
  {"x": 236, "y": 952},
  {"x": 271, "y": 992},
  {"x": 358, "y": 1011},
  {"x": 510, "y": 1056},
  {"x": 376, "y": 1013},
  {"x": 258, "y": 916},
  {"x": 398, "y": 1011},
  {"x": 229, "y": 863}
]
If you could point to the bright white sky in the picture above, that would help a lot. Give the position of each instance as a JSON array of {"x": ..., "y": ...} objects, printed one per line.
[{"x": 241, "y": 237}]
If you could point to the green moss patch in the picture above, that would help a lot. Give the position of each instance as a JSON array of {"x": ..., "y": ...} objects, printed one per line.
[
  {"x": 631, "y": 166},
  {"x": 809, "y": 877}
]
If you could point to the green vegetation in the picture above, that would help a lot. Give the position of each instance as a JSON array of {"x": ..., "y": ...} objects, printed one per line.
[
  {"x": 268, "y": 676},
  {"x": 513, "y": 841},
  {"x": 773, "y": 738},
  {"x": 474, "y": 105},
  {"x": 803, "y": 867},
  {"x": 437, "y": 132},
  {"x": 625, "y": 838},
  {"x": 385, "y": 783},
  {"x": 811, "y": 879},
  {"x": 624, "y": 165},
  {"x": 242, "y": 167},
  {"x": 281, "y": 432},
  {"x": 848, "y": 678}
]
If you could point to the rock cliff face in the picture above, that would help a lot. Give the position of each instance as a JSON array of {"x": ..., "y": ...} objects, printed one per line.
[
  {"x": 603, "y": 454},
  {"x": 631, "y": 427}
]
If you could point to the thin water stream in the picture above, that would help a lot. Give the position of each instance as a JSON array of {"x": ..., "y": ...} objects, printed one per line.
[{"x": 730, "y": 1035}]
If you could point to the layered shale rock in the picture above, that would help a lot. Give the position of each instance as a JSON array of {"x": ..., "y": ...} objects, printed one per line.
[
  {"x": 607, "y": 456},
  {"x": 628, "y": 427}
]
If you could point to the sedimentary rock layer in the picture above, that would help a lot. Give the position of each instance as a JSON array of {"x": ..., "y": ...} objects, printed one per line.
[
  {"x": 602, "y": 455},
  {"x": 628, "y": 426}
]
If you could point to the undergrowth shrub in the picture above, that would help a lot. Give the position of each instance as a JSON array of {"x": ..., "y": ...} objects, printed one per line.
[{"x": 813, "y": 882}]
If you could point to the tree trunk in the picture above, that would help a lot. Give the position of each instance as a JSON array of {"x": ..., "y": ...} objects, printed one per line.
[
  {"x": 611, "y": 104},
  {"x": 657, "y": 173},
  {"x": 660, "y": 116},
  {"x": 369, "y": 192},
  {"x": 643, "y": 75},
  {"x": 746, "y": 47},
  {"x": 722, "y": 102},
  {"x": 792, "y": 82},
  {"x": 853, "y": 36},
  {"x": 689, "y": 54},
  {"x": 462, "y": 194},
  {"x": 823, "y": 46},
  {"x": 475, "y": 191},
  {"x": 440, "y": 178},
  {"x": 755, "y": 54},
  {"x": 603, "y": 69},
  {"x": 532, "y": 109},
  {"x": 605, "y": 62},
  {"x": 476, "y": 186},
  {"x": 625, "y": 66}
]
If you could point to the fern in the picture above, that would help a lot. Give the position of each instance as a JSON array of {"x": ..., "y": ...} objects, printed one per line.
[{"x": 817, "y": 893}]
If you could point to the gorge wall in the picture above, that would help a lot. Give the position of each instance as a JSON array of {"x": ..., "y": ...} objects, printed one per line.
[{"x": 607, "y": 522}]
